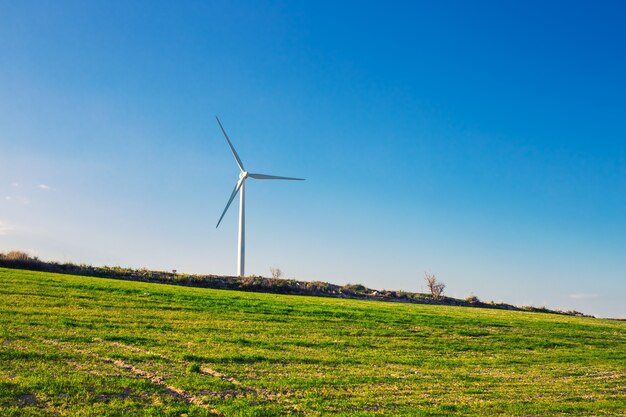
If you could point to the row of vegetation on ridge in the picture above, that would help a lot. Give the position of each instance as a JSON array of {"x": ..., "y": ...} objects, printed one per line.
[{"x": 255, "y": 283}]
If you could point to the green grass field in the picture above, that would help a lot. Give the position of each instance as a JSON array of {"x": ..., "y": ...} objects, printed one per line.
[{"x": 90, "y": 346}]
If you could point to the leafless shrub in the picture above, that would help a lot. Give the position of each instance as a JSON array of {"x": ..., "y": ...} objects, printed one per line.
[
  {"x": 357, "y": 288},
  {"x": 472, "y": 299},
  {"x": 435, "y": 286},
  {"x": 276, "y": 272},
  {"x": 16, "y": 255}
]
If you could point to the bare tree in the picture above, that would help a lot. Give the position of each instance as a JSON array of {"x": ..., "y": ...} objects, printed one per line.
[
  {"x": 435, "y": 286},
  {"x": 17, "y": 255},
  {"x": 276, "y": 272}
]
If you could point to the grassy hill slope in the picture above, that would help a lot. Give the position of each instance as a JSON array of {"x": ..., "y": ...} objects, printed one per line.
[
  {"x": 254, "y": 283},
  {"x": 74, "y": 345}
]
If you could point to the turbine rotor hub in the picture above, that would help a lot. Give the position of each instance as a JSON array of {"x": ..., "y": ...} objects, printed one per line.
[{"x": 243, "y": 175}]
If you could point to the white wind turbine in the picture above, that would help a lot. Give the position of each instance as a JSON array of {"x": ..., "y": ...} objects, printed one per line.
[{"x": 240, "y": 186}]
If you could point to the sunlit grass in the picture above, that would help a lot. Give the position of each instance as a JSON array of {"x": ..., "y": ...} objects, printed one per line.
[{"x": 89, "y": 346}]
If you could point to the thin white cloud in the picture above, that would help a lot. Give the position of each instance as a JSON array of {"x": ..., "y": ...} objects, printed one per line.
[
  {"x": 43, "y": 187},
  {"x": 17, "y": 200},
  {"x": 15, "y": 184},
  {"x": 5, "y": 228},
  {"x": 582, "y": 296}
]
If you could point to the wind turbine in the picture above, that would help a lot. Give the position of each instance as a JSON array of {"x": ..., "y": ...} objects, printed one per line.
[{"x": 240, "y": 186}]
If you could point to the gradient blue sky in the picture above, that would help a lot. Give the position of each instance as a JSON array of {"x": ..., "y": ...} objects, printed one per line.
[{"x": 482, "y": 141}]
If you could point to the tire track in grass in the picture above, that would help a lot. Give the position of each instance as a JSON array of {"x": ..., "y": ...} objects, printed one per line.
[
  {"x": 203, "y": 368},
  {"x": 265, "y": 394},
  {"x": 169, "y": 389}
]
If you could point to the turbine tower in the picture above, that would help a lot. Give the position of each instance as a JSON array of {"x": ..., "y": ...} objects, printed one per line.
[{"x": 240, "y": 186}]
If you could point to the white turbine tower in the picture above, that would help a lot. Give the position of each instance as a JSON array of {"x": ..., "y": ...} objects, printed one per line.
[{"x": 240, "y": 186}]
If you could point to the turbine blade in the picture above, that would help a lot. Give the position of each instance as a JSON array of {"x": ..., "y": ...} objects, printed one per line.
[
  {"x": 232, "y": 148},
  {"x": 230, "y": 200},
  {"x": 272, "y": 177}
]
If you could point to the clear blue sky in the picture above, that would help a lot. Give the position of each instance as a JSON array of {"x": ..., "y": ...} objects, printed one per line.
[{"x": 481, "y": 141}]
